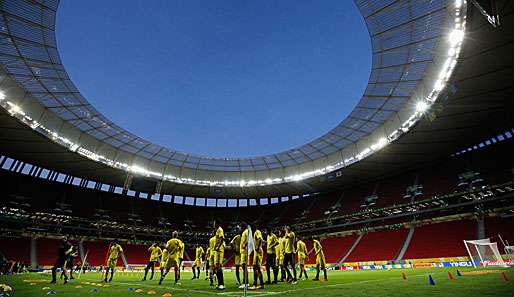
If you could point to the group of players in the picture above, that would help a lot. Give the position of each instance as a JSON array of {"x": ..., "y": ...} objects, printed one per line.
[{"x": 282, "y": 247}]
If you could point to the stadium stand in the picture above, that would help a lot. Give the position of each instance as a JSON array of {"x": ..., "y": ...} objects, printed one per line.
[
  {"x": 98, "y": 216},
  {"x": 441, "y": 239},
  {"x": 337, "y": 247},
  {"x": 378, "y": 246},
  {"x": 46, "y": 251},
  {"x": 17, "y": 249},
  {"x": 502, "y": 226},
  {"x": 136, "y": 253},
  {"x": 96, "y": 251}
]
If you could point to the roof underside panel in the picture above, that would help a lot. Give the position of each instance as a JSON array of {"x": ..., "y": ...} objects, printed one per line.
[{"x": 403, "y": 34}]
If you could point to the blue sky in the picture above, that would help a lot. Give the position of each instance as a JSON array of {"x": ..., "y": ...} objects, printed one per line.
[{"x": 220, "y": 78}]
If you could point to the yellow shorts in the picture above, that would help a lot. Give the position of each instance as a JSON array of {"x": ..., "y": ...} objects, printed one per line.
[
  {"x": 280, "y": 260},
  {"x": 163, "y": 262},
  {"x": 238, "y": 259},
  {"x": 244, "y": 259},
  {"x": 211, "y": 261},
  {"x": 301, "y": 259},
  {"x": 219, "y": 257},
  {"x": 197, "y": 262},
  {"x": 320, "y": 260},
  {"x": 257, "y": 259},
  {"x": 172, "y": 262},
  {"x": 111, "y": 262}
]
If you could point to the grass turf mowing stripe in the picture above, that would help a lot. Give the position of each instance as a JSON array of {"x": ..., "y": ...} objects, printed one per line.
[{"x": 271, "y": 293}]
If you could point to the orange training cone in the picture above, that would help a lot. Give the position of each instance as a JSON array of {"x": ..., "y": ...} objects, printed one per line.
[{"x": 450, "y": 275}]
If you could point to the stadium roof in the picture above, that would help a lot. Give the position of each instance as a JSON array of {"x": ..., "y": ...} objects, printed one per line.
[{"x": 415, "y": 44}]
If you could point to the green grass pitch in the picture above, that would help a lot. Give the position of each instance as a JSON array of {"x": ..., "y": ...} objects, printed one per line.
[{"x": 341, "y": 283}]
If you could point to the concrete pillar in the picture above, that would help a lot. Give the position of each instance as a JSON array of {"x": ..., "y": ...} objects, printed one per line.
[
  {"x": 480, "y": 228},
  {"x": 81, "y": 250},
  {"x": 33, "y": 253}
]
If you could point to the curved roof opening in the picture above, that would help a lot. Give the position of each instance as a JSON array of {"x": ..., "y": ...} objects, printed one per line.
[
  {"x": 227, "y": 79},
  {"x": 415, "y": 49}
]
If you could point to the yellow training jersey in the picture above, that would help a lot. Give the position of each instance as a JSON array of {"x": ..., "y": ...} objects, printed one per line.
[
  {"x": 258, "y": 241},
  {"x": 199, "y": 252},
  {"x": 115, "y": 251},
  {"x": 318, "y": 249},
  {"x": 155, "y": 252},
  {"x": 212, "y": 245},
  {"x": 244, "y": 242},
  {"x": 220, "y": 239},
  {"x": 236, "y": 242},
  {"x": 289, "y": 244},
  {"x": 164, "y": 256},
  {"x": 281, "y": 246},
  {"x": 271, "y": 244},
  {"x": 173, "y": 247},
  {"x": 301, "y": 248}
]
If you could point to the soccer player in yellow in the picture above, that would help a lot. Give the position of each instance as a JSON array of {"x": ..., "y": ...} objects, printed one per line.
[
  {"x": 301, "y": 248},
  {"x": 211, "y": 255},
  {"x": 271, "y": 257},
  {"x": 289, "y": 251},
  {"x": 320, "y": 260},
  {"x": 280, "y": 255},
  {"x": 155, "y": 253},
  {"x": 114, "y": 252},
  {"x": 243, "y": 249},
  {"x": 258, "y": 254},
  {"x": 235, "y": 243},
  {"x": 180, "y": 256},
  {"x": 164, "y": 258},
  {"x": 197, "y": 264},
  {"x": 173, "y": 248},
  {"x": 207, "y": 265},
  {"x": 219, "y": 256}
]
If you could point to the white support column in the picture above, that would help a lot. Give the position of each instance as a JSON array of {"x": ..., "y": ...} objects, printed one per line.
[
  {"x": 405, "y": 245},
  {"x": 33, "y": 253}
]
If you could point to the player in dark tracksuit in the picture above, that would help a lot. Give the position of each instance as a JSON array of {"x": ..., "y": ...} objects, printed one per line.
[
  {"x": 69, "y": 263},
  {"x": 65, "y": 249}
]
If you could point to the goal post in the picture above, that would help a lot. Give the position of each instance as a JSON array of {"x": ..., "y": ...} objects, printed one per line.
[{"x": 484, "y": 251}]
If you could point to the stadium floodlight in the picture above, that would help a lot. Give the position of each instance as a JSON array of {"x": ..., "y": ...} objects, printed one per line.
[
  {"x": 456, "y": 36},
  {"x": 421, "y": 106},
  {"x": 137, "y": 169},
  {"x": 382, "y": 142},
  {"x": 484, "y": 252},
  {"x": 15, "y": 108}
]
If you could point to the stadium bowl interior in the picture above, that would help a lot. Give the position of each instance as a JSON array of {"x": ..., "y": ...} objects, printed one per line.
[{"x": 407, "y": 107}]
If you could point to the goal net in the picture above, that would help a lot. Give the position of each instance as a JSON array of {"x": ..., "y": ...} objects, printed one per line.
[{"x": 485, "y": 252}]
